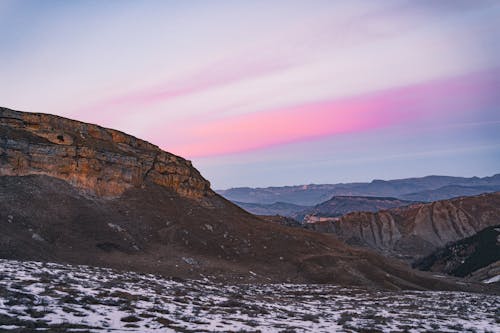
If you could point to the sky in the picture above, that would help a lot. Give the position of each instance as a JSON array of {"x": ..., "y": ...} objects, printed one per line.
[{"x": 270, "y": 93}]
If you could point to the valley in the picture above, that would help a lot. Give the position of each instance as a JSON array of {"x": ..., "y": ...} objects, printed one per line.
[{"x": 102, "y": 231}]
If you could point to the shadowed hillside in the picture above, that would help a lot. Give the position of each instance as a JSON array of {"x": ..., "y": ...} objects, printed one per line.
[{"x": 478, "y": 255}]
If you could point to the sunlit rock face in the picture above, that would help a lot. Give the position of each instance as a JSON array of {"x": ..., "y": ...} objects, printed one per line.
[
  {"x": 98, "y": 160},
  {"x": 416, "y": 230}
]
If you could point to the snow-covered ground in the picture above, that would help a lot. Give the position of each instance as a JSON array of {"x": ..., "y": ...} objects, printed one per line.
[{"x": 65, "y": 298}]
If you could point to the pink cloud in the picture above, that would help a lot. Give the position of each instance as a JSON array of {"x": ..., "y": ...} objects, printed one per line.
[
  {"x": 218, "y": 74},
  {"x": 426, "y": 101}
]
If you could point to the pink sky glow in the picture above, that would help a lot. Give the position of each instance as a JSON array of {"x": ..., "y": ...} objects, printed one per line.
[{"x": 313, "y": 120}]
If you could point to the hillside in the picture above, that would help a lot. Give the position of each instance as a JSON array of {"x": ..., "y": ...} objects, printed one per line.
[
  {"x": 467, "y": 256},
  {"x": 79, "y": 193},
  {"x": 416, "y": 231}
]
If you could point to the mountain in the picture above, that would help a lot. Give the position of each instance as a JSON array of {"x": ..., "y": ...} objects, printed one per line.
[
  {"x": 467, "y": 256},
  {"x": 428, "y": 188},
  {"x": 304, "y": 195},
  {"x": 416, "y": 231},
  {"x": 450, "y": 191},
  {"x": 341, "y": 205},
  {"x": 78, "y": 193},
  {"x": 277, "y": 208}
]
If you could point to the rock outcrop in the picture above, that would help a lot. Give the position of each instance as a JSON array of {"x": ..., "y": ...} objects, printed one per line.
[
  {"x": 101, "y": 161},
  {"x": 417, "y": 230}
]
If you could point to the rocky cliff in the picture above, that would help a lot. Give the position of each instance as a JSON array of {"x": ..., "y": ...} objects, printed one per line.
[
  {"x": 417, "y": 230},
  {"x": 101, "y": 161}
]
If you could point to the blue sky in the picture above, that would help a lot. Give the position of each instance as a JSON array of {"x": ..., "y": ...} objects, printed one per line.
[{"x": 261, "y": 93}]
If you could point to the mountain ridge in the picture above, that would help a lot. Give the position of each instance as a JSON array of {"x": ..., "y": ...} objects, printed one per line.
[{"x": 313, "y": 194}]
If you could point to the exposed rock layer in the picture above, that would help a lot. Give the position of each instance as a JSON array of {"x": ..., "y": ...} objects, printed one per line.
[
  {"x": 417, "y": 230},
  {"x": 101, "y": 161}
]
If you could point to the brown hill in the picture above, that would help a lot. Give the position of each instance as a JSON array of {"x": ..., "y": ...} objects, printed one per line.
[
  {"x": 417, "y": 230},
  {"x": 79, "y": 193}
]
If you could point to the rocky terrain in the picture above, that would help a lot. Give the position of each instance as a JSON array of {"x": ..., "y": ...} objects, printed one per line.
[
  {"x": 341, "y": 205},
  {"x": 77, "y": 193},
  {"x": 477, "y": 256},
  {"x": 430, "y": 188},
  {"x": 416, "y": 231},
  {"x": 101, "y": 161},
  {"x": 66, "y": 298}
]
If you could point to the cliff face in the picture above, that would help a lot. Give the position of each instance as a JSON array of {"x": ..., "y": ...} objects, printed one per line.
[
  {"x": 100, "y": 161},
  {"x": 417, "y": 230}
]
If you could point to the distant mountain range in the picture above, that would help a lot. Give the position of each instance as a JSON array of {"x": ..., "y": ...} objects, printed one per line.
[
  {"x": 336, "y": 206},
  {"x": 451, "y": 191},
  {"x": 430, "y": 188},
  {"x": 277, "y": 208}
]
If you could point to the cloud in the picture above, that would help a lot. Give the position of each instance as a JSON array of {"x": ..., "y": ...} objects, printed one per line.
[
  {"x": 425, "y": 102},
  {"x": 216, "y": 75}
]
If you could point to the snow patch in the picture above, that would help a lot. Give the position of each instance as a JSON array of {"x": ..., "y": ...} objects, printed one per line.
[{"x": 492, "y": 279}]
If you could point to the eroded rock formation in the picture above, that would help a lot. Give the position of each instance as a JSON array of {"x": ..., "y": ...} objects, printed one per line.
[
  {"x": 101, "y": 161},
  {"x": 419, "y": 229}
]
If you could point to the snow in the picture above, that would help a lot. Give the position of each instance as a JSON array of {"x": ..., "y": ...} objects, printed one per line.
[
  {"x": 115, "y": 227},
  {"x": 492, "y": 279},
  {"x": 69, "y": 298}
]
